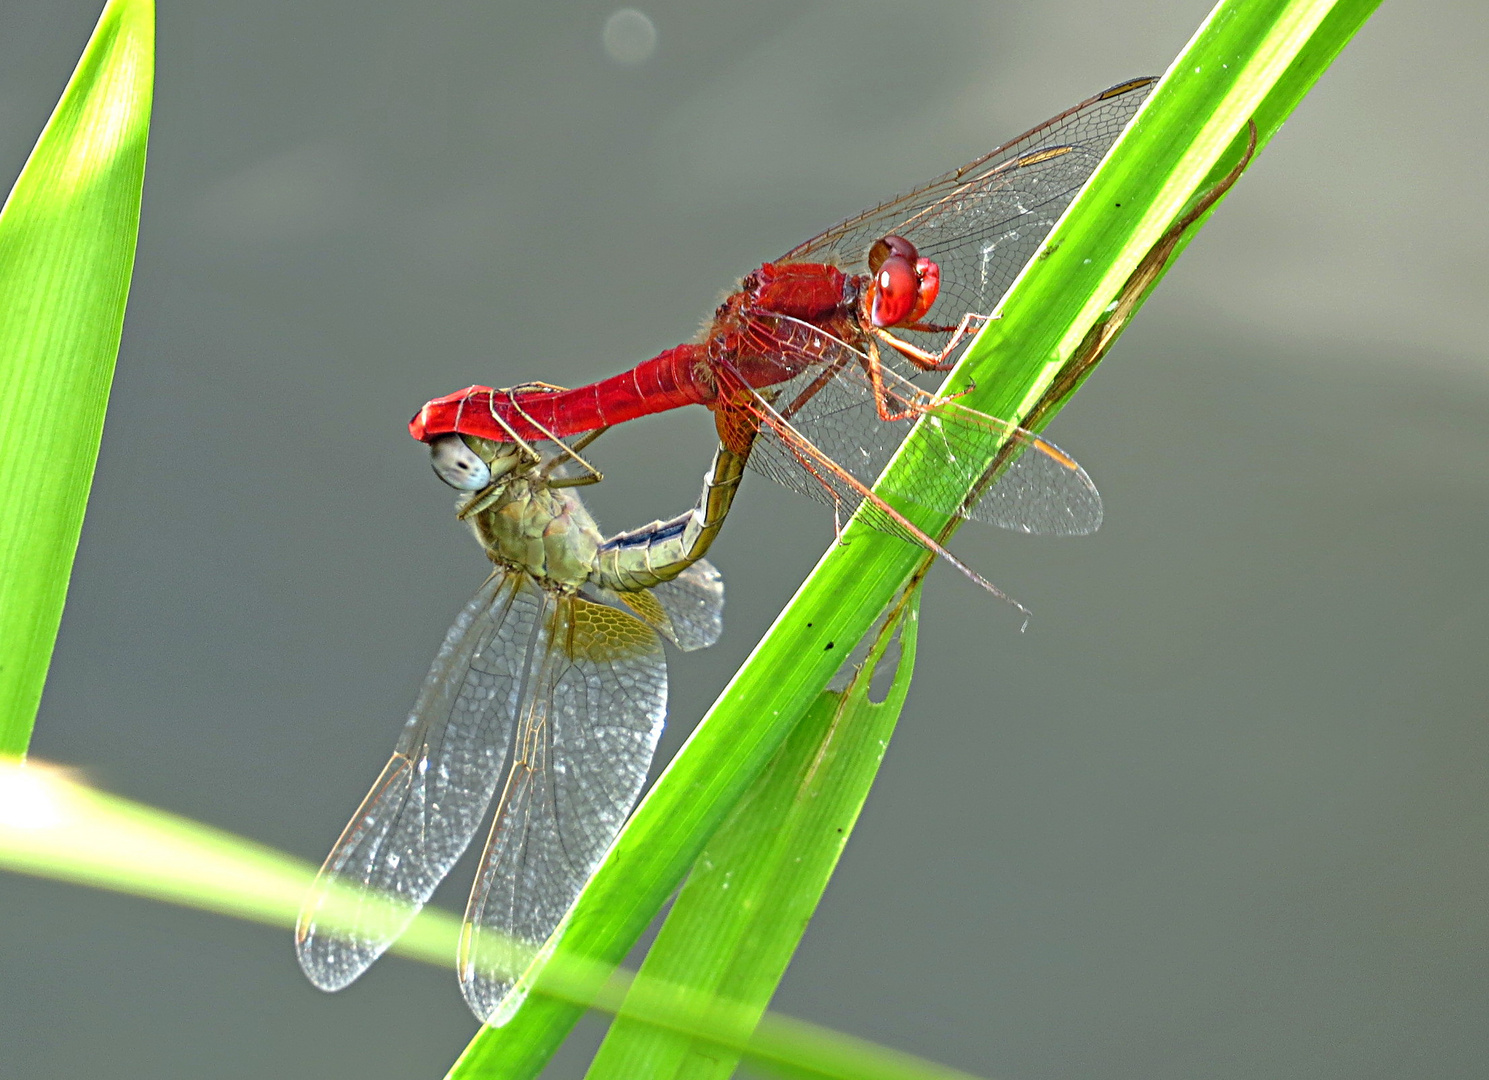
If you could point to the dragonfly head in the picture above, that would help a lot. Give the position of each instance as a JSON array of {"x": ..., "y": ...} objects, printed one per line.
[
  {"x": 904, "y": 284},
  {"x": 457, "y": 464},
  {"x": 479, "y": 466}
]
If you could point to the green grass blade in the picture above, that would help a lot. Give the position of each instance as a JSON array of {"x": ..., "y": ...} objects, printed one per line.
[
  {"x": 1250, "y": 57},
  {"x": 52, "y": 825},
  {"x": 741, "y": 915},
  {"x": 67, "y": 240}
]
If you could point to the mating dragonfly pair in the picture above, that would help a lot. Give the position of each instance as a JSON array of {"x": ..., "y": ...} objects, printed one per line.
[{"x": 553, "y": 676}]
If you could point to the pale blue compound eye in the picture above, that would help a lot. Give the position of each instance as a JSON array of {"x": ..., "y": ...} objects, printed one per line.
[{"x": 457, "y": 464}]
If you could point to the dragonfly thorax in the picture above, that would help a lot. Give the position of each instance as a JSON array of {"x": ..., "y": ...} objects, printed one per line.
[{"x": 543, "y": 531}]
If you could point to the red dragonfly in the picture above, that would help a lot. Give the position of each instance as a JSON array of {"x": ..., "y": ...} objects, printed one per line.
[{"x": 810, "y": 365}]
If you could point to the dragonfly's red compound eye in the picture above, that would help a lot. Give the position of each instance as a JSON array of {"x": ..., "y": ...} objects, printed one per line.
[
  {"x": 930, "y": 286},
  {"x": 896, "y": 289},
  {"x": 888, "y": 246}
]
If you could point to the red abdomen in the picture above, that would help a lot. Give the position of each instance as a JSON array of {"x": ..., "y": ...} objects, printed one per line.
[
  {"x": 669, "y": 380},
  {"x": 763, "y": 350}
]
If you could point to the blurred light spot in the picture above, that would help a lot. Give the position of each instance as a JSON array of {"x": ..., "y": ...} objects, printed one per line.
[
  {"x": 29, "y": 798},
  {"x": 630, "y": 37}
]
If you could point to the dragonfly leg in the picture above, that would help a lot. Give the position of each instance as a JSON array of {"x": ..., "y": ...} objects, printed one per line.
[
  {"x": 931, "y": 361},
  {"x": 873, "y": 367},
  {"x": 578, "y": 481},
  {"x": 587, "y": 438},
  {"x": 953, "y": 395},
  {"x": 837, "y": 519},
  {"x": 481, "y": 499},
  {"x": 566, "y": 452},
  {"x": 570, "y": 452},
  {"x": 529, "y": 454}
]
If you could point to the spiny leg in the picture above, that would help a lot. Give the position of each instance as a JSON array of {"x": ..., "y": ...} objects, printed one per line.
[
  {"x": 873, "y": 367},
  {"x": 930, "y": 361},
  {"x": 591, "y": 475}
]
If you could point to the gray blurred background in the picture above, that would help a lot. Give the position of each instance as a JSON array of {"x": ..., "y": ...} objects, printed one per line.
[{"x": 1221, "y": 812}]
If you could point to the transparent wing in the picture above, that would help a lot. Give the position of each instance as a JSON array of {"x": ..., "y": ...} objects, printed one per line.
[
  {"x": 782, "y": 444},
  {"x": 694, "y": 605},
  {"x": 981, "y": 223},
  {"x": 688, "y": 610},
  {"x": 1033, "y": 487},
  {"x": 429, "y": 801},
  {"x": 592, "y": 708}
]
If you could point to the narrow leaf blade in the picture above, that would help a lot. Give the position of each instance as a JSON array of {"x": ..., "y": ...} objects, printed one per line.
[
  {"x": 67, "y": 243},
  {"x": 53, "y": 825},
  {"x": 738, "y": 920}
]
